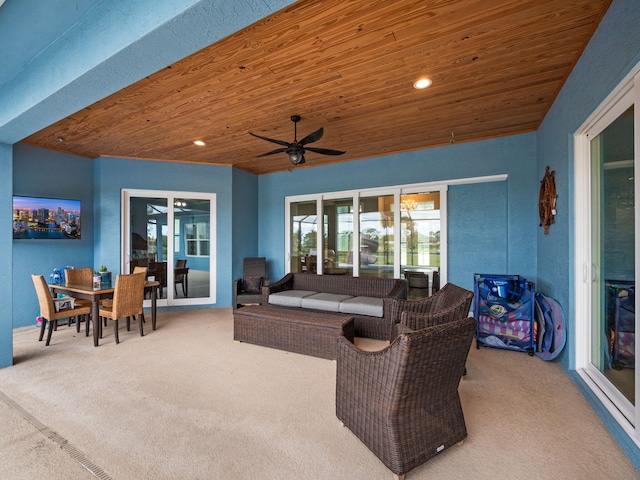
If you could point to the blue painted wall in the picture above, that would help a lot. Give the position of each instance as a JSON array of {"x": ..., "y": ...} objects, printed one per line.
[
  {"x": 517, "y": 218},
  {"x": 114, "y": 174},
  {"x": 614, "y": 49},
  {"x": 46, "y": 173},
  {"x": 245, "y": 219},
  {"x": 6, "y": 260}
]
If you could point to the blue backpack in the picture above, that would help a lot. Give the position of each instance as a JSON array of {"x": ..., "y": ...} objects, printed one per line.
[{"x": 551, "y": 327}]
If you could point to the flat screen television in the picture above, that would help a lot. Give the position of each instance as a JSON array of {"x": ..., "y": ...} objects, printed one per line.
[{"x": 38, "y": 218}]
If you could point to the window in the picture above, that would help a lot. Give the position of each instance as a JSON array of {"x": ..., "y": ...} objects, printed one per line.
[{"x": 197, "y": 239}]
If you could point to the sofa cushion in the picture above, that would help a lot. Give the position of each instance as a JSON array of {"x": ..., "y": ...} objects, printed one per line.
[
  {"x": 289, "y": 298},
  {"x": 329, "y": 302},
  {"x": 370, "y": 306}
]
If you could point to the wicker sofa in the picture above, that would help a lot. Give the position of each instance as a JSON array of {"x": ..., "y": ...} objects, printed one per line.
[{"x": 366, "y": 299}]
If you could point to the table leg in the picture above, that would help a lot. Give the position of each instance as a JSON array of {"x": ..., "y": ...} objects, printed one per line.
[
  {"x": 95, "y": 318},
  {"x": 153, "y": 308}
]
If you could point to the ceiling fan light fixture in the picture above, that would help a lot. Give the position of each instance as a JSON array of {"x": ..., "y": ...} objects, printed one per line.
[
  {"x": 422, "y": 83},
  {"x": 296, "y": 155}
]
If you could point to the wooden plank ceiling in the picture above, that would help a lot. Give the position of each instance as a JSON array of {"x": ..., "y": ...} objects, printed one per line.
[{"x": 348, "y": 66}]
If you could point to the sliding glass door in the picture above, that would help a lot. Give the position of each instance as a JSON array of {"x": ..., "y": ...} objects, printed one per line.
[
  {"x": 170, "y": 234},
  {"x": 607, "y": 251},
  {"x": 394, "y": 232}
]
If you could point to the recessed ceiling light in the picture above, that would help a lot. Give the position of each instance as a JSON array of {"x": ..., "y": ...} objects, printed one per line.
[
  {"x": 199, "y": 143},
  {"x": 422, "y": 83}
]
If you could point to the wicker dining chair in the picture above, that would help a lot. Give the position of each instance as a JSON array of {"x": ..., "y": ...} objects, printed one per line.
[
  {"x": 48, "y": 310},
  {"x": 128, "y": 297},
  {"x": 80, "y": 276},
  {"x": 180, "y": 278},
  {"x": 248, "y": 289},
  {"x": 402, "y": 402}
]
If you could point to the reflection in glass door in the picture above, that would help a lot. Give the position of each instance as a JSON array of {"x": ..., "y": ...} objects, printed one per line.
[
  {"x": 303, "y": 228},
  {"x": 174, "y": 244},
  {"x": 420, "y": 241},
  {"x": 376, "y": 236},
  {"x": 613, "y": 240}
]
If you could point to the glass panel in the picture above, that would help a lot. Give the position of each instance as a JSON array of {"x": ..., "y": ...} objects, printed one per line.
[
  {"x": 192, "y": 262},
  {"x": 420, "y": 242},
  {"x": 376, "y": 236},
  {"x": 148, "y": 242},
  {"x": 613, "y": 254},
  {"x": 304, "y": 237},
  {"x": 338, "y": 237}
]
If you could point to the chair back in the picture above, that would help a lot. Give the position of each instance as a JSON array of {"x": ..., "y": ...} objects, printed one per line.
[
  {"x": 140, "y": 269},
  {"x": 45, "y": 300},
  {"x": 79, "y": 276},
  {"x": 128, "y": 295},
  {"x": 180, "y": 264},
  {"x": 254, "y": 267}
]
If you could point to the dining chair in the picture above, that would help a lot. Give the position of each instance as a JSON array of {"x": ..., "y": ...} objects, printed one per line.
[
  {"x": 180, "y": 278},
  {"x": 79, "y": 276},
  {"x": 128, "y": 297},
  {"x": 48, "y": 310}
]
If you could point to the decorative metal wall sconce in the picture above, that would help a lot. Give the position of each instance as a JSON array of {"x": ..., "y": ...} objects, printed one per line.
[{"x": 547, "y": 200}]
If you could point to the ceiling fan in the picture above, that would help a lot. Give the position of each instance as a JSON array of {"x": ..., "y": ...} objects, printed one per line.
[{"x": 297, "y": 149}]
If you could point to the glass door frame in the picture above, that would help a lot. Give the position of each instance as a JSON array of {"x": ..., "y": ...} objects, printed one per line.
[
  {"x": 396, "y": 191},
  {"x": 170, "y": 300},
  {"x": 585, "y": 269}
]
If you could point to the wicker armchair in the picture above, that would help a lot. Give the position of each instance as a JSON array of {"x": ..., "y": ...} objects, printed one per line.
[
  {"x": 128, "y": 297},
  {"x": 449, "y": 303},
  {"x": 248, "y": 289},
  {"x": 402, "y": 402},
  {"x": 48, "y": 310}
]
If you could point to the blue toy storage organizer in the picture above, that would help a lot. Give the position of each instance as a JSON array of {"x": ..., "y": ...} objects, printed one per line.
[{"x": 504, "y": 306}]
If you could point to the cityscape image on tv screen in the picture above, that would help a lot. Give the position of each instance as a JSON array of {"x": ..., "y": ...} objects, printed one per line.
[{"x": 45, "y": 218}]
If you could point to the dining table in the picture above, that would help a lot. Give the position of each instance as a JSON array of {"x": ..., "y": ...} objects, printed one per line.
[{"x": 87, "y": 292}]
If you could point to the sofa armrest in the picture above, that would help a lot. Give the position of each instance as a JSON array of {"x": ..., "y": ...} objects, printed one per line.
[{"x": 285, "y": 283}]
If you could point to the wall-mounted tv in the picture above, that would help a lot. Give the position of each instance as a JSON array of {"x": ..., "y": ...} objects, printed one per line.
[{"x": 38, "y": 218}]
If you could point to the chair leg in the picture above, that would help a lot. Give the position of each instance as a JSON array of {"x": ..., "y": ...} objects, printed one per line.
[
  {"x": 43, "y": 325},
  {"x": 115, "y": 330},
  {"x": 128, "y": 324},
  {"x": 51, "y": 327},
  {"x": 86, "y": 325},
  {"x": 140, "y": 322}
]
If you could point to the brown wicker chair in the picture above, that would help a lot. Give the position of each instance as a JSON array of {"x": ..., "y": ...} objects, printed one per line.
[
  {"x": 449, "y": 303},
  {"x": 402, "y": 402},
  {"x": 254, "y": 270},
  {"x": 180, "y": 278},
  {"x": 84, "y": 277},
  {"x": 48, "y": 309},
  {"x": 128, "y": 297}
]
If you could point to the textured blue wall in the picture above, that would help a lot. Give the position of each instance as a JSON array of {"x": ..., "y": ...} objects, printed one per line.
[
  {"x": 6, "y": 246},
  {"x": 514, "y": 155},
  {"x": 245, "y": 219},
  {"x": 614, "y": 49},
  {"x": 114, "y": 174},
  {"x": 45, "y": 173}
]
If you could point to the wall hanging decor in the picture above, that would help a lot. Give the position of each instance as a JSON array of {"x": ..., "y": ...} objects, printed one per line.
[{"x": 547, "y": 200}]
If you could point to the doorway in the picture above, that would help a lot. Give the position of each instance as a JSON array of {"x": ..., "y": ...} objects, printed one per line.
[{"x": 172, "y": 235}]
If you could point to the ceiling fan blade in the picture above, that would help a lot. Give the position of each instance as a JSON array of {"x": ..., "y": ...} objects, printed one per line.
[
  {"x": 277, "y": 150},
  {"x": 312, "y": 137},
  {"x": 279, "y": 142},
  {"x": 324, "y": 151}
]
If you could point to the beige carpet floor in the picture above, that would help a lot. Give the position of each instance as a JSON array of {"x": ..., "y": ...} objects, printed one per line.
[{"x": 187, "y": 402}]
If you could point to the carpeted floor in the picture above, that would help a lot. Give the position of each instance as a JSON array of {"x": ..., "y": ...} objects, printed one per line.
[{"x": 186, "y": 401}]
